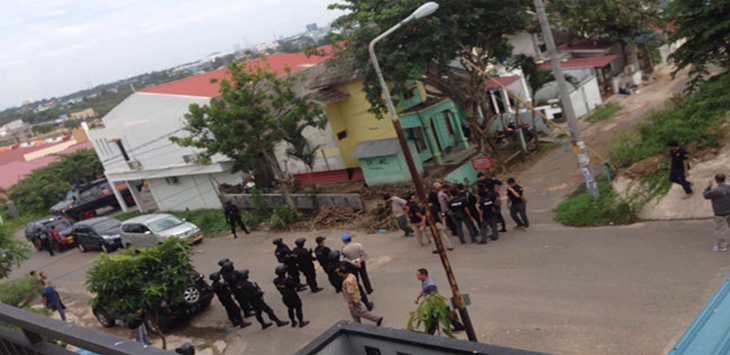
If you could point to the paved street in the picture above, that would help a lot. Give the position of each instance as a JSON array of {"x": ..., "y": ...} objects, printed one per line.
[{"x": 622, "y": 290}]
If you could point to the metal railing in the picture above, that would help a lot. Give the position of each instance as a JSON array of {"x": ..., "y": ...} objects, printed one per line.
[{"x": 35, "y": 329}]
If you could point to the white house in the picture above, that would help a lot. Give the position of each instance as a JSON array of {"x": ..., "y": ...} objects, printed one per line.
[{"x": 134, "y": 142}]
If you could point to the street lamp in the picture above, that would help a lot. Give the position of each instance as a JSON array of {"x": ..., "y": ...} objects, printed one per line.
[{"x": 457, "y": 298}]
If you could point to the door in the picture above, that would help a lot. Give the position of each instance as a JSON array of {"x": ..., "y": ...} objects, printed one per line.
[
  {"x": 95, "y": 239},
  {"x": 82, "y": 236},
  {"x": 146, "y": 238}
]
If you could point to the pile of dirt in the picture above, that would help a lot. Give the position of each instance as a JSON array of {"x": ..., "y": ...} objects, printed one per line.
[
  {"x": 333, "y": 216},
  {"x": 645, "y": 167},
  {"x": 379, "y": 218}
]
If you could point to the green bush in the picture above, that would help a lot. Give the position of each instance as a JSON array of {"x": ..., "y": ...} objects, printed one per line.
[
  {"x": 283, "y": 216},
  {"x": 582, "y": 210},
  {"x": 602, "y": 113},
  {"x": 210, "y": 221},
  {"x": 260, "y": 207},
  {"x": 685, "y": 120},
  {"x": 20, "y": 292}
]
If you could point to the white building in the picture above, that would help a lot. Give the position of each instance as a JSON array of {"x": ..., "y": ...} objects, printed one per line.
[{"x": 134, "y": 142}]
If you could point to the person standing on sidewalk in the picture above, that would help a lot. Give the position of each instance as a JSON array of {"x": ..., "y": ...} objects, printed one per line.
[
  {"x": 233, "y": 217},
  {"x": 398, "y": 206},
  {"x": 517, "y": 204},
  {"x": 679, "y": 169},
  {"x": 351, "y": 293},
  {"x": 355, "y": 253},
  {"x": 720, "y": 197}
]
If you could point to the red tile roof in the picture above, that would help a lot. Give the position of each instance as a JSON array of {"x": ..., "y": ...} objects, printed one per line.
[
  {"x": 201, "y": 86},
  {"x": 14, "y": 171},
  {"x": 585, "y": 45},
  {"x": 504, "y": 80},
  {"x": 589, "y": 62}
]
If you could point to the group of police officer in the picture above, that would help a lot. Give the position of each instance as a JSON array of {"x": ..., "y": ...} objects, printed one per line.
[{"x": 243, "y": 298}]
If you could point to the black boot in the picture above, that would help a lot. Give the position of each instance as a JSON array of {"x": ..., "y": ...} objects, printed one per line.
[
  {"x": 293, "y": 323},
  {"x": 315, "y": 290},
  {"x": 303, "y": 324},
  {"x": 265, "y": 325},
  {"x": 281, "y": 323},
  {"x": 370, "y": 306},
  {"x": 245, "y": 324}
]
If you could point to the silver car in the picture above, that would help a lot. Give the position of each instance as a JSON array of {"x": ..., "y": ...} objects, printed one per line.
[{"x": 152, "y": 229}]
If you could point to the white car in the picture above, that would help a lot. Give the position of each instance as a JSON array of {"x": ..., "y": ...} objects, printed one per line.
[{"x": 152, "y": 229}]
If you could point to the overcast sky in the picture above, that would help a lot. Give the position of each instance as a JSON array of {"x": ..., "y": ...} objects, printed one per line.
[{"x": 55, "y": 47}]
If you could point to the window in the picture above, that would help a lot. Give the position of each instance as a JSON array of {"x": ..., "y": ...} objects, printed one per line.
[
  {"x": 447, "y": 121},
  {"x": 416, "y": 135},
  {"x": 342, "y": 135},
  {"x": 369, "y": 350},
  {"x": 121, "y": 148}
]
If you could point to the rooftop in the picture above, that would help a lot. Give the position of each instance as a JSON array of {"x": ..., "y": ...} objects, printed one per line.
[
  {"x": 585, "y": 45},
  {"x": 504, "y": 80},
  {"x": 14, "y": 170},
  {"x": 200, "y": 85},
  {"x": 577, "y": 63}
]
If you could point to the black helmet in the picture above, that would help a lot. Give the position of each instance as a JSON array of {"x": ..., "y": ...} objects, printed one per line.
[
  {"x": 243, "y": 274},
  {"x": 230, "y": 277},
  {"x": 281, "y": 270},
  {"x": 334, "y": 255},
  {"x": 300, "y": 242},
  {"x": 216, "y": 276},
  {"x": 227, "y": 267},
  {"x": 223, "y": 261},
  {"x": 186, "y": 349},
  {"x": 277, "y": 241}
]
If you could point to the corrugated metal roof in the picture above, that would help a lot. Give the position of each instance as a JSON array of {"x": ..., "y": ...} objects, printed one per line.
[
  {"x": 376, "y": 148},
  {"x": 588, "y": 62},
  {"x": 504, "y": 80},
  {"x": 709, "y": 333}
]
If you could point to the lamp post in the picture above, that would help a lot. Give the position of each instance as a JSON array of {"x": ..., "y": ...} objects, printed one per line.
[
  {"x": 457, "y": 298},
  {"x": 579, "y": 146}
]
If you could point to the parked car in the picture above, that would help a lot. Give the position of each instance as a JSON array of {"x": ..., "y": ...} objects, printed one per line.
[
  {"x": 82, "y": 201},
  {"x": 152, "y": 229},
  {"x": 66, "y": 240},
  {"x": 99, "y": 233},
  {"x": 197, "y": 296}
]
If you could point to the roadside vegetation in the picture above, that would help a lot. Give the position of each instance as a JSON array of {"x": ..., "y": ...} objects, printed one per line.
[
  {"x": 581, "y": 210},
  {"x": 603, "y": 113}
]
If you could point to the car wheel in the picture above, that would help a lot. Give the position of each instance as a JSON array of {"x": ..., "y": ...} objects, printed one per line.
[
  {"x": 104, "y": 248},
  {"x": 103, "y": 318},
  {"x": 192, "y": 295},
  {"x": 81, "y": 248}
]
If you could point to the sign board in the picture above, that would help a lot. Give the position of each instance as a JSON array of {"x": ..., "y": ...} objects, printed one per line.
[{"x": 482, "y": 163}]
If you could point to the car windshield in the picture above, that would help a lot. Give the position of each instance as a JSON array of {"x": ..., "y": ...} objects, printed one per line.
[
  {"x": 60, "y": 225},
  {"x": 164, "y": 223},
  {"x": 106, "y": 225}
]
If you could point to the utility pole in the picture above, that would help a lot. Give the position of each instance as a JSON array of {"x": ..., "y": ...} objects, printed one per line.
[
  {"x": 579, "y": 147},
  {"x": 457, "y": 298}
]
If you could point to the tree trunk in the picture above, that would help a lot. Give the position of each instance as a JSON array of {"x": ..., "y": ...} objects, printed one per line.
[
  {"x": 283, "y": 177},
  {"x": 156, "y": 324}
]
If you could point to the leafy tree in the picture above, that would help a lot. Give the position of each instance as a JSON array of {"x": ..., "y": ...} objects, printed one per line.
[
  {"x": 42, "y": 188},
  {"x": 620, "y": 20},
  {"x": 71, "y": 123},
  {"x": 432, "y": 313},
  {"x": 705, "y": 24},
  {"x": 143, "y": 279},
  {"x": 12, "y": 251},
  {"x": 299, "y": 146},
  {"x": 245, "y": 122},
  {"x": 43, "y": 128},
  {"x": 465, "y": 30}
]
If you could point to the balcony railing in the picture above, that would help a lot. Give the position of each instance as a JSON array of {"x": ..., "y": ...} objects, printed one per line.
[{"x": 35, "y": 328}]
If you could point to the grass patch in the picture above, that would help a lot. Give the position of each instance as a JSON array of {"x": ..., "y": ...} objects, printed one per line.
[
  {"x": 603, "y": 113},
  {"x": 128, "y": 215},
  {"x": 693, "y": 120},
  {"x": 20, "y": 292},
  {"x": 581, "y": 210}
]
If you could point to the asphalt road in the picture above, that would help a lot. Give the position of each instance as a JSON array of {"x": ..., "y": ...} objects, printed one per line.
[{"x": 609, "y": 290}]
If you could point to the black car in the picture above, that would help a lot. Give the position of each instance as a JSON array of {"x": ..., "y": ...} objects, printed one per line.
[
  {"x": 99, "y": 233},
  {"x": 66, "y": 240},
  {"x": 82, "y": 201},
  {"x": 197, "y": 297}
]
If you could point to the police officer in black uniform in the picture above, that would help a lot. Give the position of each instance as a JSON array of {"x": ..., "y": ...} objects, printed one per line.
[
  {"x": 285, "y": 256},
  {"x": 488, "y": 214},
  {"x": 233, "y": 217},
  {"x": 332, "y": 263},
  {"x": 352, "y": 269},
  {"x": 305, "y": 262},
  {"x": 253, "y": 295},
  {"x": 229, "y": 274},
  {"x": 288, "y": 289},
  {"x": 494, "y": 184},
  {"x": 224, "y": 296},
  {"x": 321, "y": 252},
  {"x": 460, "y": 213}
]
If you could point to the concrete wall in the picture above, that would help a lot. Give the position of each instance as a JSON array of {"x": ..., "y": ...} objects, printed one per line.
[
  {"x": 388, "y": 169},
  {"x": 302, "y": 201},
  {"x": 525, "y": 43},
  {"x": 351, "y": 114},
  {"x": 190, "y": 191},
  {"x": 586, "y": 97}
]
